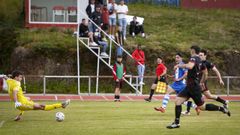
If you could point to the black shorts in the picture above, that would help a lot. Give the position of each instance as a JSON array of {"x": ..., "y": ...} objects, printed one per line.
[
  {"x": 162, "y": 79},
  {"x": 193, "y": 91},
  {"x": 84, "y": 35},
  {"x": 119, "y": 84}
]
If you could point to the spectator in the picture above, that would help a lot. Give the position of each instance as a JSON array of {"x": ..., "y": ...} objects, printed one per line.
[
  {"x": 112, "y": 17},
  {"x": 119, "y": 72},
  {"x": 105, "y": 18},
  {"x": 90, "y": 10},
  {"x": 120, "y": 40},
  {"x": 139, "y": 57},
  {"x": 136, "y": 28},
  {"x": 84, "y": 32},
  {"x": 122, "y": 10},
  {"x": 99, "y": 40},
  {"x": 97, "y": 19}
]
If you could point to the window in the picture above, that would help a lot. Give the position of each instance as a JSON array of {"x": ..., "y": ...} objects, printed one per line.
[{"x": 54, "y": 11}]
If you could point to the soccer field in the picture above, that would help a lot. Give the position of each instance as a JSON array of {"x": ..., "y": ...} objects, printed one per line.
[{"x": 121, "y": 118}]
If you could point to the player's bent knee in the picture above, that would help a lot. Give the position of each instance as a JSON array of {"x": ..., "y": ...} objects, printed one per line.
[
  {"x": 153, "y": 86},
  {"x": 38, "y": 107}
]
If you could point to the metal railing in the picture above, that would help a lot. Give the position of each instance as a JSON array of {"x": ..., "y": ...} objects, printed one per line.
[
  {"x": 130, "y": 77},
  {"x": 226, "y": 89},
  {"x": 99, "y": 57}
]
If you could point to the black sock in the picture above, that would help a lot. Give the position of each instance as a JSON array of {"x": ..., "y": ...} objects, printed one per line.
[
  {"x": 221, "y": 100},
  {"x": 189, "y": 105},
  {"x": 115, "y": 96},
  {"x": 178, "y": 110},
  {"x": 151, "y": 93},
  {"x": 212, "y": 107}
]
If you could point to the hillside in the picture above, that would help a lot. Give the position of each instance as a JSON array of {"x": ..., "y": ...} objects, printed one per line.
[{"x": 169, "y": 30}]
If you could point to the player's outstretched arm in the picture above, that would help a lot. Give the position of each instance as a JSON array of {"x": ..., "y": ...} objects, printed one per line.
[{"x": 218, "y": 75}]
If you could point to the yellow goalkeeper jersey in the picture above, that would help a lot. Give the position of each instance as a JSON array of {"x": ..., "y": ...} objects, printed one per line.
[{"x": 12, "y": 85}]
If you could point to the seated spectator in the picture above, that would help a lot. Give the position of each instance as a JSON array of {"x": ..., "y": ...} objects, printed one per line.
[
  {"x": 97, "y": 18},
  {"x": 84, "y": 32},
  {"x": 135, "y": 28},
  {"x": 99, "y": 40}
]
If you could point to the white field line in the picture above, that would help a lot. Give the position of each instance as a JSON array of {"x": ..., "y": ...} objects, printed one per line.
[
  {"x": 56, "y": 98},
  {"x": 105, "y": 98}
]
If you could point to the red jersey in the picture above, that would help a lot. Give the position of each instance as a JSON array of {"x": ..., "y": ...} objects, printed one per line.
[
  {"x": 160, "y": 69},
  {"x": 114, "y": 72},
  {"x": 139, "y": 55},
  {"x": 105, "y": 16}
]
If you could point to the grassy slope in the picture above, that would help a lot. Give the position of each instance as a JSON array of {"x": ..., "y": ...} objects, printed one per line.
[
  {"x": 168, "y": 28},
  {"x": 126, "y": 118},
  {"x": 175, "y": 29}
]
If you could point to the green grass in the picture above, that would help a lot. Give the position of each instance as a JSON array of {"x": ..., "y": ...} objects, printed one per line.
[
  {"x": 125, "y": 118},
  {"x": 177, "y": 29}
]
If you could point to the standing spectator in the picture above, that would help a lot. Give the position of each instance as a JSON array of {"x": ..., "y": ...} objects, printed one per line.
[
  {"x": 122, "y": 10},
  {"x": 97, "y": 19},
  {"x": 119, "y": 72},
  {"x": 161, "y": 72},
  {"x": 84, "y": 32},
  {"x": 90, "y": 10},
  {"x": 105, "y": 19},
  {"x": 139, "y": 57},
  {"x": 120, "y": 40},
  {"x": 112, "y": 17},
  {"x": 136, "y": 28}
]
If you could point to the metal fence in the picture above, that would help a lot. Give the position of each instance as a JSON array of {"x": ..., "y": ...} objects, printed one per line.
[{"x": 68, "y": 84}]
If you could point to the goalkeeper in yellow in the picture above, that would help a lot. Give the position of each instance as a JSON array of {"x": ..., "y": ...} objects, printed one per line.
[{"x": 23, "y": 103}]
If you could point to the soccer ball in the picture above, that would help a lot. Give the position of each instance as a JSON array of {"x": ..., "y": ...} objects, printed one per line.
[{"x": 59, "y": 116}]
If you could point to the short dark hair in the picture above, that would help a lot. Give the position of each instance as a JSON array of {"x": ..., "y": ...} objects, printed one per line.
[
  {"x": 16, "y": 73},
  {"x": 196, "y": 49},
  {"x": 160, "y": 57},
  {"x": 204, "y": 51},
  {"x": 179, "y": 54}
]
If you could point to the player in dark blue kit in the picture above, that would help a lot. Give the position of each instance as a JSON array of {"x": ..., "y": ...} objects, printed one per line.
[
  {"x": 177, "y": 86},
  {"x": 210, "y": 67},
  {"x": 193, "y": 88}
]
